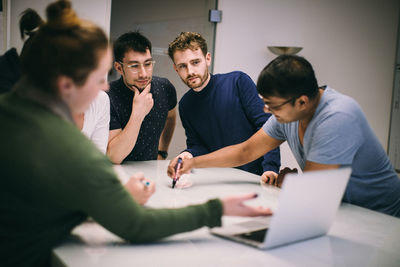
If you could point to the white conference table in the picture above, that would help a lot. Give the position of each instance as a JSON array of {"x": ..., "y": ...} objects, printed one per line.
[{"x": 358, "y": 236}]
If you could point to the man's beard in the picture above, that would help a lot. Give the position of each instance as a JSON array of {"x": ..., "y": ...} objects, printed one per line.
[
  {"x": 203, "y": 79},
  {"x": 131, "y": 85},
  {"x": 140, "y": 89}
]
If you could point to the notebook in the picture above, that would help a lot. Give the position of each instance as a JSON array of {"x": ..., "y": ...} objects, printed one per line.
[{"x": 307, "y": 205}]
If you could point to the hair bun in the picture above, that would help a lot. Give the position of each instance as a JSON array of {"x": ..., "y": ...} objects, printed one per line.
[
  {"x": 29, "y": 22},
  {"x": 61, "y": 15}
]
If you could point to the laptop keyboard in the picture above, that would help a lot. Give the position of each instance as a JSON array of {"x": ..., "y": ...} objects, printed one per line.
[
  {"x": 253, "y": 224},
  {"x": 257, "y": 236}
]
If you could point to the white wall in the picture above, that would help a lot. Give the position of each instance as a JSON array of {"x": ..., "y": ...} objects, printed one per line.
[
  {"x": 97, "y": 11},
  {"x": 2, "y": 50},
  {"x": 350, "y": 43}
]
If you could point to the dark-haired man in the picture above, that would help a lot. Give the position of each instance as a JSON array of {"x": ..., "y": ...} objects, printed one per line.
[
  {"x": 219, "y": 110},
  {"x": 142, "y": 106},
  {"x": 324, "y": 129}
]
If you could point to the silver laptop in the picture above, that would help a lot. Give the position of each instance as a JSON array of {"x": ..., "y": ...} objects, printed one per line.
[{"x": 307, "y": 206}]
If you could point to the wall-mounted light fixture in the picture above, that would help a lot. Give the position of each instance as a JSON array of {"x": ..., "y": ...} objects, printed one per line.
[{"x": 285, "y": 50}]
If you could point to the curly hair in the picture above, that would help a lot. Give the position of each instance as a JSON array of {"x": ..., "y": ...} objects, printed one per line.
[{"x": 187, "y": 40}]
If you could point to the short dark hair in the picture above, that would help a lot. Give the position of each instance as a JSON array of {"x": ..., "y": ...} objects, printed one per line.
[
  {"x": 130, "y": 41},
  {"x": 288, "y": 76},
  {"x": 187, "y": 40}
]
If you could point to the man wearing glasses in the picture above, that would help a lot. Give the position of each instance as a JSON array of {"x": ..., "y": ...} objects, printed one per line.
[
  {"x": 219, "y": 110},
  {"x": 324, "y": 129},
  {"x": 143, "y": 106}
]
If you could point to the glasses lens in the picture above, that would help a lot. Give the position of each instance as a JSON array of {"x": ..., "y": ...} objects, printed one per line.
[{"x": 135, "y": 68}]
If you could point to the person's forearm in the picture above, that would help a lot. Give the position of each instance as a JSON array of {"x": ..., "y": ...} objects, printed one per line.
[
  {"x": 230, "y": 156},
  {"x": 122, "y": 144},
  {"x": 155, "y": 224},
  {"x": 240, "y": 154},
  {"x": 166, "y": 135},
  {"x": 128, "y": 219}
]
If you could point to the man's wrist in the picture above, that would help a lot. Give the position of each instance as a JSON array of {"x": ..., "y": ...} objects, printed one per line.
[
  {"x": 138, "y": 116},
  {"x": 193, "y": 162},
  {"x": 163, "y": 154}
]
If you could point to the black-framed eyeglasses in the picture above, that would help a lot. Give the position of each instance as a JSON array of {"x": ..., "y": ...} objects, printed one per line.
[
  {"x": 277, "y": 107},
  {"x": 135, "y": 67}
]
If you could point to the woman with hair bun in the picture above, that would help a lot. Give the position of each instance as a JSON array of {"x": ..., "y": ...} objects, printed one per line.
[
  {"x": 10, "y": 68},
  {"x": 52, "y": 177}
]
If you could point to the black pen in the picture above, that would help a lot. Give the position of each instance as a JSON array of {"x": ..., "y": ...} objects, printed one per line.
[{"x": 177, "y": 167}]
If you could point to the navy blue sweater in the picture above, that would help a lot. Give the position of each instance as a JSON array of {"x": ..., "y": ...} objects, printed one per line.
[{"x": 227, "y": 111}]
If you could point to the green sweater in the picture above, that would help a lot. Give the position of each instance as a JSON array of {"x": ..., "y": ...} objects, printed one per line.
[{"x": 53, "y": 177}]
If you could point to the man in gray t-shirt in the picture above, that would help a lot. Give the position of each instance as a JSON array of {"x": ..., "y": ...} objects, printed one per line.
[
  {"x": 324, "y": 129},
  {"x": 339, "y": 134}
]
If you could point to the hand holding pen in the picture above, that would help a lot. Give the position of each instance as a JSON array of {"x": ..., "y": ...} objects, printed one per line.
[
  {"x": 140, "y": 188},
  {"x": 185, "y": 166},
  {"x": 177, "y": 167}
]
